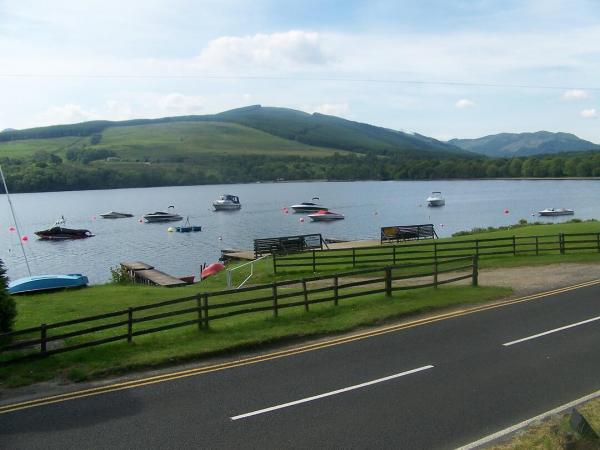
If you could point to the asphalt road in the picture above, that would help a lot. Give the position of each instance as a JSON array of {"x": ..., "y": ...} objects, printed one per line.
[{"x": 439, "y": 385}]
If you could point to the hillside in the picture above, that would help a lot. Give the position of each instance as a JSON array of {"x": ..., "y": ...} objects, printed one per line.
[
  {"x": 524, "y": 144},
  {"x": 254, "y": 129}
]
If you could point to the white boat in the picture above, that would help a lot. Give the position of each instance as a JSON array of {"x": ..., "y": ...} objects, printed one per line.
[
  {"x": 436, "y": 199},
  {"x": 115, "y": 215},
  {"x": 161, "y": 216},
  {"x": 556, "y": 212},
  {"x": 308, "y": 207},
  {"x": 227, "y": 202},
  {"x": 325, "y": 216}
]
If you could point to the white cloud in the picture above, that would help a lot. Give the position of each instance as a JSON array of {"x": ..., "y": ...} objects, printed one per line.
[
  {"x": 179, "y": 104},
  {"x": 464, "y": 103},
  {"x": 575, "y": 94},
  {"x": 293, "y": 48},
  {"x": 332, "y": 109},
  {"x": 65, "y": 114},
  {"x": 590, "y": 113}
]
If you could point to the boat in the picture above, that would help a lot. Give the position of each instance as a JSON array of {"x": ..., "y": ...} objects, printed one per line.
[
  {"x": 309, "y": 207},
  {"x": 188, "y": 228},
  {"x": 59, "y": 233},
  {"x": 436, "y": 199},
  {"x": 227, "y": 202},
  {"x": 115, "y": 215},
  {"x": 47, "y": 282},
  {"x": 161, "y": 216},
  {"x": 325, "y": 216},
  {"x": 556, "y": 212},
  {"x": 39, "y": 282}
]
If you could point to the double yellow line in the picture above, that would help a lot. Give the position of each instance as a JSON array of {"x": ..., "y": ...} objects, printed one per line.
[{"x": 274, "y": 355}]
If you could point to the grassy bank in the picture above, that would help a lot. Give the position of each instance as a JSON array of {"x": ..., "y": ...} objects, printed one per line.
[{"x": 190, "y": 343}]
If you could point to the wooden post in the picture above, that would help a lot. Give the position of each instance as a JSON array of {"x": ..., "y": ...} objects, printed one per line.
[
  {"x": 388, "y": 282},
  {"x": 394, "y": 254},
  {"x": 314, "y": 261},
  {"x": 199, "y": 306},
  {"x": 335, "y": 290},
  {"x": 477, "y": 247},
  {"x": 274, "y": 263},
  {"x": 537, "y": 246},
  {"x": 435, "y": 274},
  {"x": 43, "y": 335},
  {"x": 598, "y": 239},
  {"x": 275, "y": 306},
  {"x": 435, "y": 250},
  {"x": 561, "y": 243},
  {"x": 305, "y": 295},
  {"x": 129, "y": 325},
  {"x": 514, "y": 239},
  {"x": 475, "y": 271},
  {"x": 353, "y": 257},
  {"x": 205, "y": 308}
]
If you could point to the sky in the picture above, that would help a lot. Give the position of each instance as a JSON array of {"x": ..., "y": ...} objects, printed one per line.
[{"x": 446, "y": 69}]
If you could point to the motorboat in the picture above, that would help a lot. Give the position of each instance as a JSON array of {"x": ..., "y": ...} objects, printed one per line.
[
  {"x": 62, "y": 233},
  {"x": 227, "y": 202},
  {"x": 308, "y": 207},
  {"x": 556, "y": 212},
  {"x": 115, "y": 215},
  {"x": 325, "y": 216},
  {"x": 436, "y": 199},
  {"x": 59, "y": 233},
  {"x": 161, "y": 216},
  {"x": 47, "y": 282}
]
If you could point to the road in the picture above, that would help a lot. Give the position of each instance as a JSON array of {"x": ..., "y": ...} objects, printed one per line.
[{"x": 437, "y": 385}]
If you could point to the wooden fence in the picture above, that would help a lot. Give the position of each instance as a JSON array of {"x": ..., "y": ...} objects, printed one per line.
[
  {"x": 438, "y": 250},
  {"x": 203, "y": 308}
]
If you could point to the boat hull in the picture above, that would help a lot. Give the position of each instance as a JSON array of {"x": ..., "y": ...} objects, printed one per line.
[
  {"x": 325, "y": 217},
  {"x": 151, "y": 219},
  {"x": 189, "y": 229},
  {"x": 436, "y": 202},
  {"x": 115, "y": 215},
  {"x": 47, "y": 282},
  {"x": 61, "y": 234},
  {"x": 567, "y": 212},
  {"x": 305, "y": 209},
  {"x": 226, "y": 207}
]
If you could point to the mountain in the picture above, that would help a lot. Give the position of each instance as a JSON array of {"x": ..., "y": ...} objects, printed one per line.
[
  {"x": 524, "y": 144},
  {"x": 297, "y": 128}
]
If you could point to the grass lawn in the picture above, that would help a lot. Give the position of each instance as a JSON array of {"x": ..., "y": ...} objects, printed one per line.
[{"x": 234, "y": 333}]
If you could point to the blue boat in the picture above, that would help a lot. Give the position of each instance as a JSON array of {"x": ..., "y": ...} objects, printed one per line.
[
  {"x": 188, "y": 227},
  {"x": 46, "y": 282}
]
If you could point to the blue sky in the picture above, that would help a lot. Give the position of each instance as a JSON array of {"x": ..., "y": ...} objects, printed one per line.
[{"x": 68, "y": 61}]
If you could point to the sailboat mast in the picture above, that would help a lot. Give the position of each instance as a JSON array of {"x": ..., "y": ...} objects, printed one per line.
[{"x": 15, "y": 220}]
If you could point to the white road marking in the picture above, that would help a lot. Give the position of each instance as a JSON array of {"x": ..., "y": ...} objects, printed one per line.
[
  {"x": 566, "y": 327},
  {"x": 328, "y": 394}
]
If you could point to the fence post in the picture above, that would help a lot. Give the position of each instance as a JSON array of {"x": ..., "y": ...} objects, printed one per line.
[
  {"x": 477, "y": 247},
  {"x": 561, "y": 243},
  {"x": 537, "y": 246},
  {"x": 435, "y": 274},
  {"x": 388, "y": 282},
  {"x": 305, "y": 295},
  {"x": 475, "y": 271},
  {"x": 274, "y": 263},
  {"x": 335, "y": 290},
  {"x": 314, "y": 261},
  {"x": 43, "y": 335},
  {"x": 129, "y": 325},
  {"x": 435, "y": 250},
  {"x": 205, "y": 308},
  {"x": 394, "y": 254},
  {"x": 199, "y": 306},
  {"x": 514, "y": 239},
  {"x": 598, "y": 239},
  {"x": 353, "y": 256},
  {"x": 275, "y": 306}
]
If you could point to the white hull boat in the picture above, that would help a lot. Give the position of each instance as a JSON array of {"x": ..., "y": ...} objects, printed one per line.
[
  {"x": 325, "y": 216},
  {"x": 161, "y": 216},
  {"x": 551, "y": 212},
  {"x": 436, "y": 199},
  {"x": 227, "y": 202},
  {"x": 308, "y": 207},
  {"x": 115, "y": 215}
]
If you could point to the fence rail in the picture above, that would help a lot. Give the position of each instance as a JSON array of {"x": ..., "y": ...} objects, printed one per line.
[
  {"x": 561, "y": 243},
  {"x": 198, "y": 309}
]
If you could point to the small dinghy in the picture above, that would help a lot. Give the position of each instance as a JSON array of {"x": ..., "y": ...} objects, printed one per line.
[{"x": 46, "y": 282}]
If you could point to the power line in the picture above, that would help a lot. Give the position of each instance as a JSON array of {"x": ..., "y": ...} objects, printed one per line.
[{"x": 295, "y": 78}]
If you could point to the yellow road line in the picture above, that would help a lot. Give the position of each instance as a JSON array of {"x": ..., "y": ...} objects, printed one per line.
[{"x": 278, "y": 354}]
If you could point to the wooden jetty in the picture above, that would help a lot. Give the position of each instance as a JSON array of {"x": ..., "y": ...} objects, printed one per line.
[{"x": 143, "y": 273}]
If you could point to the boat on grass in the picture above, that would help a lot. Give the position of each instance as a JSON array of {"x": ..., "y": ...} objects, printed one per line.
[
  {"x": 325, "y": 216},
  {"x": 47, "y": 282},
  {"x": 227, "y": 202},
  {"x": 115, "y": 215},
  {"x": 556, "y": 212}
]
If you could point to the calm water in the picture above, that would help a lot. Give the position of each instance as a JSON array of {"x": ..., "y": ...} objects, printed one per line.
[{"x": 367, "y": 206}]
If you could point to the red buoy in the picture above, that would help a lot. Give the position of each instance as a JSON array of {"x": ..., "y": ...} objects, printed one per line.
[
  {"x": 24, "y": 238},
  {"x": 11, "y": 228}
]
